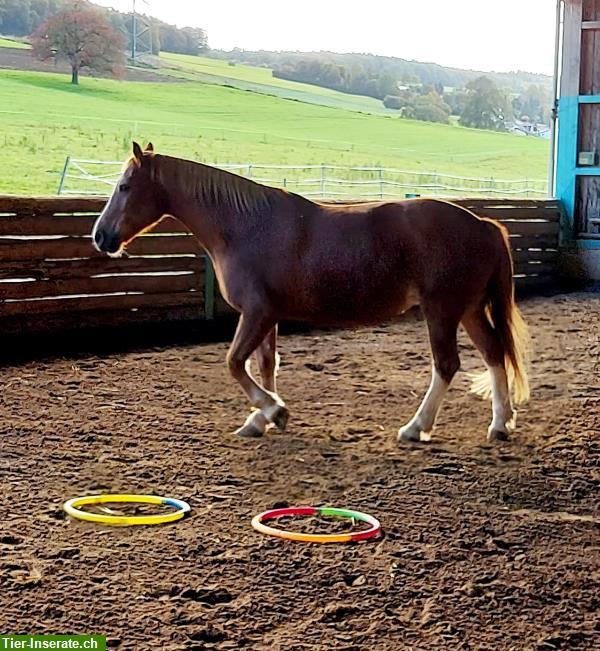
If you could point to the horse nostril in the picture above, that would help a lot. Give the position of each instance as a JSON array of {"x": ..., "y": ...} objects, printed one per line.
[{"x": 99, "y": 238}]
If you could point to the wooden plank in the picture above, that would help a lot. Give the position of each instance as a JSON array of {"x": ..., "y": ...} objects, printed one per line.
[
  {"x": 590, "y": 49},
  {"x": 46, "y": 224},
  {"x": 587, "y": 204},
  {"x": 68, "y": 269},
  {"x": 591, "y": 11},
  {"x": 570, "y": 78},
  {"x": 531, "y": 283},
  {"x": 145, "y": 284},
  {"x": 532, "y": 228},
  {"x": 82, "y": 304},
  {"x": 526, "y": 214},
  {"x": 106, "y": 318},
  {"x": 73, "y": 225},
  {"x": 35, "y": 205},
  {"x": 590, "y": 70},
  {"x": 532, "y": 242},
  {"x": 81, "y": 247},
  {"x": 529, "y": 268},
  {"x": 505, "y": 203},
  {"x": 542, "y": 256}
]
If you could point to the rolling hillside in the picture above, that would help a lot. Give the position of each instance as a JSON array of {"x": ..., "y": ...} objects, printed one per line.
[
  {"x": 260, "y": 80},
  {"x": 44, "y": 119}
]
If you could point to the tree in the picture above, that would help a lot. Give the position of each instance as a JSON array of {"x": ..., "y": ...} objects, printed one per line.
[
  {"x": 486, "y": 106},
  {"x": 431, "y": 108},
  {"x": 83, "y": 36},
  {"x": 393, "y": 102},
  {"x": 535, "y": 102}
]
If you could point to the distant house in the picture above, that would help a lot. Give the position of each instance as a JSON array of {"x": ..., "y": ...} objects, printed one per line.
[{"x": 525, "y": 128}]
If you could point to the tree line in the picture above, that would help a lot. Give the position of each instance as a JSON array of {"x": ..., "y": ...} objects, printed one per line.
[
  {"x": 404, "y": 71},
  {"x": 354, "y": 80},
  {"x": 479, "y": 103},
  {"x": 420, "y": 91},
  {"x": 24, "y": 17}
]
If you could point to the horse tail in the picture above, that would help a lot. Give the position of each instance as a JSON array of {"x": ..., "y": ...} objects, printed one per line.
[{"x": 509, "y": 325}]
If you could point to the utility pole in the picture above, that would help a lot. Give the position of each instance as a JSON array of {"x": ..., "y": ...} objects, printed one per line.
[
  {"x": 141, "y": 34},
  {"x": 133, "y": 35}
]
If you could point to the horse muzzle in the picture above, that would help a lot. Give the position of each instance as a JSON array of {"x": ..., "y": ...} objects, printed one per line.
[{"x": 106, "y": 242}]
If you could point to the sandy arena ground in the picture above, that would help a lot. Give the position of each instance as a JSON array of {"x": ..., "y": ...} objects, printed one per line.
[{"x": 485, "y": 547}]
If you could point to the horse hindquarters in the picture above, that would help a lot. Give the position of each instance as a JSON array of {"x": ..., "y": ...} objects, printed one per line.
[
  {"x": 498, "y": 330},
  {"x": 472, "y": 283}
]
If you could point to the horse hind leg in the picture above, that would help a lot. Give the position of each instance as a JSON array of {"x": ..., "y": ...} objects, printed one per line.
[
  {"x": 495, "y": 381},
  {"x": 446, "y": 362},
  {"x": 268, "y": 360}
]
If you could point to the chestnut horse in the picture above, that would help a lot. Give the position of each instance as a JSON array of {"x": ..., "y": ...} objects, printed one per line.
[{"x": 280, "y": 256}]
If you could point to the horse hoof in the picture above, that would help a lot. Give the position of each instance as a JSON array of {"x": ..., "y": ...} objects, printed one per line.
[
  {"x": 409, "y": 434},
  {"x": 280, "y": 418},
  {"x": 249, "y": 432},
  {"x": 497, "y": 435}
]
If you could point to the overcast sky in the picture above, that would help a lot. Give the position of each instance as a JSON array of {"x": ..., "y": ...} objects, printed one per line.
[{"x": 474, "y": 34}]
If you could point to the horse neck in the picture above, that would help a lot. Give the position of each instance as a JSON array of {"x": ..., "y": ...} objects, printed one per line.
[{"x": 219, "y": 218}]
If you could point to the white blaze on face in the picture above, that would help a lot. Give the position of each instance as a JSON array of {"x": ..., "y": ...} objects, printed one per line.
[{"x": 112, "y": 206}]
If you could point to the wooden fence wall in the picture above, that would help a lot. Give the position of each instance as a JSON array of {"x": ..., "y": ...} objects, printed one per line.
[{"x": 52, "y": 278}]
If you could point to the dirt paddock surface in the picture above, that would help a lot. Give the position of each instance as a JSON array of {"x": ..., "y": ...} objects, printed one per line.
[{"x": 485, "y": 547}]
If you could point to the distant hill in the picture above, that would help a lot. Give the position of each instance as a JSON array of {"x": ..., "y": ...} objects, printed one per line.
[{"x": 403, "y": 70}]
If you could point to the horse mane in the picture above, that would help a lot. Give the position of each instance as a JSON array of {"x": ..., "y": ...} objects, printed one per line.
[{"x": 212, "y": 187}]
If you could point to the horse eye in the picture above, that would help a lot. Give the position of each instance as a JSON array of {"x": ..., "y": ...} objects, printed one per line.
[{"x": 124, "y": 187}]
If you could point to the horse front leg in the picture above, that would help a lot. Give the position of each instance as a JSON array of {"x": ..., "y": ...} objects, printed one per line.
[{"x": 257, "y": 332}]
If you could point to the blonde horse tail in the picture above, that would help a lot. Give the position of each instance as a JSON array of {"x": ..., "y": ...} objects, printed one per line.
[{"x": 509, "y": 325}]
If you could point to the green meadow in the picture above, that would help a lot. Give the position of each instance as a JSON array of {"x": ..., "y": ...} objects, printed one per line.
[
  {"x": 9, "y": 42},
  {"x": 43, "y": 119},
  {"x": 260, "y": 80}
]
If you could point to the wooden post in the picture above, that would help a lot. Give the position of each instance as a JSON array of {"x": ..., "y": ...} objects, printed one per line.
[
  {"x": 61, "y": 185},
  {"x": 381, "y": 192},
  {"x": 322, "y": 180},
  {"x": 568, "y": 112}
]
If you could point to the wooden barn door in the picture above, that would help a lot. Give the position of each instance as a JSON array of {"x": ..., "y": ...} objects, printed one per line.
[{"x": 578, "y": 165}]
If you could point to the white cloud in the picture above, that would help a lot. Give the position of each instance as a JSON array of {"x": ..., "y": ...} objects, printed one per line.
[{"x": 476, "y": 34}]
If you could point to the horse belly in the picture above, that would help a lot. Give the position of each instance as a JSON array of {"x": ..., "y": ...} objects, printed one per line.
[{"x": 362, "y": 297}]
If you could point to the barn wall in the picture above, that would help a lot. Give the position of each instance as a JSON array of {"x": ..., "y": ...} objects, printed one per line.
[{"x": 578, "y": 180}]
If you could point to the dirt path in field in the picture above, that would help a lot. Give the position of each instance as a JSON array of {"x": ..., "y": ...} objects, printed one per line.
[{"x": 485, "y": 547}]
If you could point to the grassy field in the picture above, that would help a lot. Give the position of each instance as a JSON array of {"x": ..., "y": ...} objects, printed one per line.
[
  {"x": 8, "y": 42},
  {"x": 43, "y": 118},
  {"x": 261, "y": 80}
]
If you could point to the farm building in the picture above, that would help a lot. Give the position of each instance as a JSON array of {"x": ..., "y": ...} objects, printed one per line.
[{"x": 577, "y": 156}]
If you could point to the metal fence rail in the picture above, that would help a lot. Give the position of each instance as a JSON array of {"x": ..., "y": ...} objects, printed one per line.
[{"x": 324, "y": 181}]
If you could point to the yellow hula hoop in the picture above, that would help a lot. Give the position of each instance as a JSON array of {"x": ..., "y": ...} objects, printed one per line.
[{"x": 72, "y": 508}]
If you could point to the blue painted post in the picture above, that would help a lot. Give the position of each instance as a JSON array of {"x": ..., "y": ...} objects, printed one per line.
[{"x": 566, "y": 159}]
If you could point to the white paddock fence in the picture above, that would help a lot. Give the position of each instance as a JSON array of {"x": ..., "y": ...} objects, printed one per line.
[{"x": 94, "y": 177}]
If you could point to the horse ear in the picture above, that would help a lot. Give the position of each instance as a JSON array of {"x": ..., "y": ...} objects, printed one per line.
[
  {"x": 137, "y": 151},
  {"x": 149, "y": 147}
]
